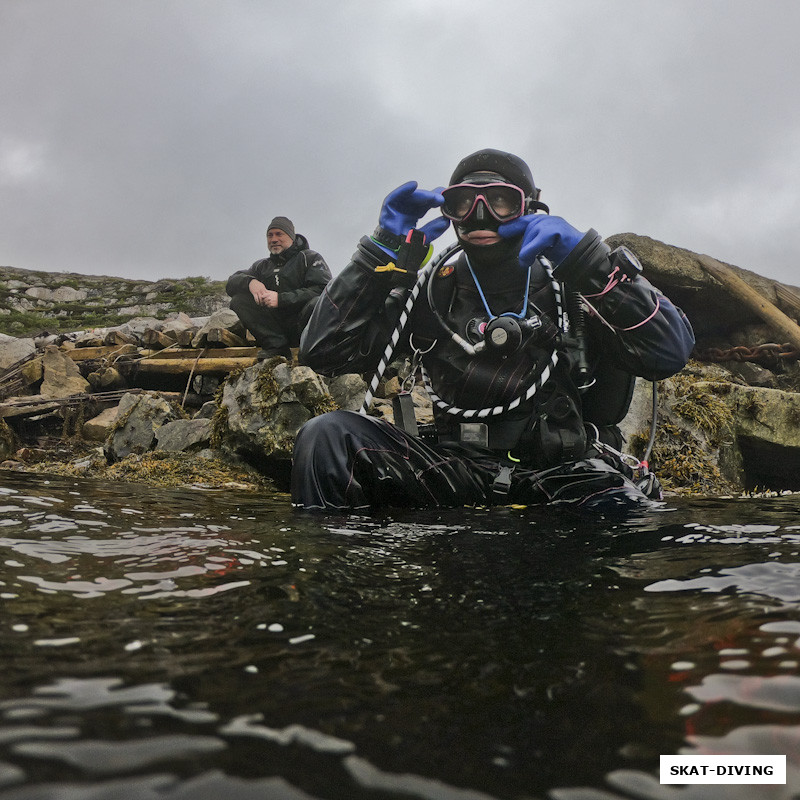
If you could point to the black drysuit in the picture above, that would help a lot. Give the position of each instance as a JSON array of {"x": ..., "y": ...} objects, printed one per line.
[
  {"x": 298, "y": 275},
  {"x": 540, "y": 447}
]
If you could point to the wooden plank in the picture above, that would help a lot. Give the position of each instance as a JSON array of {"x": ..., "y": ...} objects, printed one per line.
[
  {"x": 198, "y": 366},
  {"x": 787, "y": 328},
  {"x": 88, "y": 353},
  {"x": 192, "y": 352},
  {"x": 26, "y": 407}
]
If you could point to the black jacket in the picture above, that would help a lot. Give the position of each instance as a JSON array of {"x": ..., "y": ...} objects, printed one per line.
[
  {"x": 640, "y": 333},
  {"x": 297, "y": 275}
]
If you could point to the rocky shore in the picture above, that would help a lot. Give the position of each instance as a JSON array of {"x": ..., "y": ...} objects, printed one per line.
[{"x": 165, "y": 387}]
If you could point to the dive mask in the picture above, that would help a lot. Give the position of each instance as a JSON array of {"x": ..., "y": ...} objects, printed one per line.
[{"x": 503, "y": 201}]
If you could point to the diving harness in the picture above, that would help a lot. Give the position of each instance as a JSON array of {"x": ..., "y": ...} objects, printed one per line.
[{"x": 503, "y": 333}]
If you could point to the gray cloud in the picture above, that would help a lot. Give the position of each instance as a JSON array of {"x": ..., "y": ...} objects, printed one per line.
[{"x": 157, "y": 138}]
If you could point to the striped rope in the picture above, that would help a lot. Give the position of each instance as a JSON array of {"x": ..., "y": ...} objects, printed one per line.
[
  {"x": 468, "y": 413},
  {"x": 482, "y": 413},
  {"x": 541, "y": 378},
  {"x": 422, "y": 277}
]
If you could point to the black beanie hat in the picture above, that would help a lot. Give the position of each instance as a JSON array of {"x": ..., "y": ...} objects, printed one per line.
[
  {"x": 511, "y": 167},
  {"x": 284, "y": 224}
]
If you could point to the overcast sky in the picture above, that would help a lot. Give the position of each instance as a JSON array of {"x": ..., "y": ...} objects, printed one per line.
[{"x": 157, "y": 138}]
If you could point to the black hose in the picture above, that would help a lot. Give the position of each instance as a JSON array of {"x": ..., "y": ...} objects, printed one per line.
[{"x": 651, "y": 442}]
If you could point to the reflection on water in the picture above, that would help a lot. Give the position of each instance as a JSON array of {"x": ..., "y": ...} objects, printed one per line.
[{"x": 204, "y": 644}]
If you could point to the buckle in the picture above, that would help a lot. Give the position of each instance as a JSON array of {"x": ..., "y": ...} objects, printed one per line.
[{"x": 502, "y": 483}]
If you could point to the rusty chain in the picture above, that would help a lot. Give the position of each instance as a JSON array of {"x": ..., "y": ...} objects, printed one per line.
[{"x": 760, "y": 353}]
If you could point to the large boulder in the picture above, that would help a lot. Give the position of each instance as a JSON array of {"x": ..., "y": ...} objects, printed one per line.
[
  {"x": 716, "y": 434},
  {"x": 139, "y": 417},
  {"x": 718, "y": 316},
  {"x": 261, "y": 410}
]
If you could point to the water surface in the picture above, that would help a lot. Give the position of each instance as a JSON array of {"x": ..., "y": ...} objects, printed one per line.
[{"x": 205, "y": 644}]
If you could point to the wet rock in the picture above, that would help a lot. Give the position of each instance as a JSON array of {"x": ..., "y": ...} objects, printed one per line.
[
  {"x": 61, "y": 376},
  {"x": 769, "y": 415},
  {"x": 139, "y": 417},
  {"x": 717, "y": 435},
  {"x": 184, "y": 435}
]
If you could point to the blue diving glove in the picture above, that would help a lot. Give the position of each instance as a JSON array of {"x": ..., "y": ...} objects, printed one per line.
[
  {"x": 406, "y": 205},
  {"x": 543, "y": 235}
]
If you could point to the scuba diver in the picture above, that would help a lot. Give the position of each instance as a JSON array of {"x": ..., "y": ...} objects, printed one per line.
[{"x": 527, "y": 333}]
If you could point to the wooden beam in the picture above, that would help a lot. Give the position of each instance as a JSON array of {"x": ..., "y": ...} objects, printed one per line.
[
  {"x": 223, "y": 337},
  {"x": 784, "y": 326},
  {"x": 199, "y": 366},
  {"x": 88, "y": 353},
  {"x": 186, "y": 337},
  {"x": 186, "y": 352},
  {"x": 157, "y": 340}
]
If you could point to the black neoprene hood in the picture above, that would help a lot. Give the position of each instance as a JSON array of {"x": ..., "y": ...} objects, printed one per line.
[{"x": 511, "y": 167}]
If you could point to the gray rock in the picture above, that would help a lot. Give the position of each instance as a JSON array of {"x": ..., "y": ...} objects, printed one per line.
[
  {"x": 13, "y": 350},
  {"x": 184, "y": 435},
  {"x": 640, "y": 412},
  {"x": 264, "y": 407},
  {"x": 138, "y": 325},
  {"x": 348, "y": 391},
  {"x": 139, "y": 417},
  {"x": 752, "y": 374}
]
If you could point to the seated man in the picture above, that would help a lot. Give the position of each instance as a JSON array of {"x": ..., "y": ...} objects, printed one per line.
[
  {"x": 528, "y": 344},
  {"x": 275, "y": 297}
]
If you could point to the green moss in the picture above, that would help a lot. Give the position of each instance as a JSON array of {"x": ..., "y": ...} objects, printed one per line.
[
  {"x": 683, "y": 466},
  {"x": 701, "y": 402},
  {"x": 167, "y": 470},
  {"x": 219, "y": 420}
]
